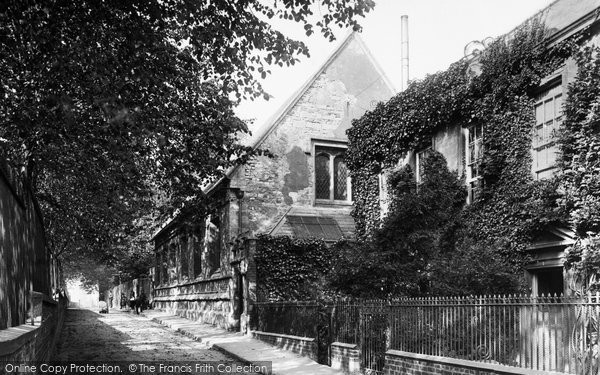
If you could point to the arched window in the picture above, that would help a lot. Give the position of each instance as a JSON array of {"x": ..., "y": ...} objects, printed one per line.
[
  {"x": 164, "y": 267},
  {"x": 323, "y": 176},
  {"x": 340, "y": 175},
  {"x": 172, "y": 264},
  {"x": 184, "y": 257},
  {"x": 332, "y": 181}
]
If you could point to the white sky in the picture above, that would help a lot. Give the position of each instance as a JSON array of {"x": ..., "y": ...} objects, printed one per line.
[{"x": 438, "y": 31}]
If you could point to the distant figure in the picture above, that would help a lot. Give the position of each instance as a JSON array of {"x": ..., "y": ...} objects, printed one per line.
[
  {"x": 103, "y": 307},
  {"x": 123, "y": 301},
  {"x": 132, "y": 301},
  {"x": 110, "y": 299},
  {"x": 142, "y": 302}
]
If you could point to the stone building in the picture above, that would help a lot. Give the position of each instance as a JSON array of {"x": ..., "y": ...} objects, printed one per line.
[{"x": 303, "y": 191}]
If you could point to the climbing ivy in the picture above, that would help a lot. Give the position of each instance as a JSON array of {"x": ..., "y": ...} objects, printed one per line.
[
  {"x": 580, "y": 163},
  {"x": 394, "y": 261},
  {"x": 290, "y": 269},
  {"x": 404, "y": 123},
  {"x": 511, "y": 207}
]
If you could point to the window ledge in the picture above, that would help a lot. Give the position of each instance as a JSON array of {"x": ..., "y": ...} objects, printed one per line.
[{"x": 325, "y": 202}]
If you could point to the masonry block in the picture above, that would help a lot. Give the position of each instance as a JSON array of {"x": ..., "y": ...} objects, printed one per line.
[
  {"x": 345, "y": 357},
  {"x": 304, "y": 346}
]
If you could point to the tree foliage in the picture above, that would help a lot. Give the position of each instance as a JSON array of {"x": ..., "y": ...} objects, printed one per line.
[
  {"x": 111, "y": 109},
  {"x": 395, "y": 260}
]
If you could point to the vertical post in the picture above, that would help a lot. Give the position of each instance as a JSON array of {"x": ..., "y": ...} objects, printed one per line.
[
  {"x": 404, "y": 51},
  {"x": 31, "y": 306}
]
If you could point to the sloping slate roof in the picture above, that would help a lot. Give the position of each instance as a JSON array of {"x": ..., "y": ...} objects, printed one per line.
[
  {"x": 562, "y": 13},
  {"x": 314, "y": 227},
  {"x": 290, "y": 225},
  {"x": 562, "y": 17}
]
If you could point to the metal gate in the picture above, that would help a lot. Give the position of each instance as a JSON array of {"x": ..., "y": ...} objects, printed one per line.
[{"x": 373, "y": 325}]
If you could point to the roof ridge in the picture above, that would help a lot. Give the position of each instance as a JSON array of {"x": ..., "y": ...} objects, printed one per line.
[{"x": 274, "y": 120}]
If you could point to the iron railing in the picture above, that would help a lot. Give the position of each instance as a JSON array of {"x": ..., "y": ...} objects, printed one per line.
[
  {"x": 548, "y": 333},
  {"x": 305, "y": 319}
]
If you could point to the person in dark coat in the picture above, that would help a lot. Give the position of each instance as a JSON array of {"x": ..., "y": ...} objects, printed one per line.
[
  {"x": 142, "y": 302},
  {"x": 132, "y": 301},
  {"x": 123, "y": 301}
]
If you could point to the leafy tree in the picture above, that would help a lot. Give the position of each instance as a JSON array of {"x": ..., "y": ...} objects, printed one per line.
[
  {"x": 395, "y": 261},
  {"x": 473, "y": 268},
  {"x": 113, "y": 108}
]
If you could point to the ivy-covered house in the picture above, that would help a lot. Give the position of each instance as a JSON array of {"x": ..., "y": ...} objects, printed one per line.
[
  {"x": 509, "y": 120},
  {"x": 303, "y": 191}
]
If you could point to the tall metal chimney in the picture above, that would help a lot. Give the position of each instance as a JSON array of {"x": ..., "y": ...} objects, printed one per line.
[{"x": 404, "y": 51}]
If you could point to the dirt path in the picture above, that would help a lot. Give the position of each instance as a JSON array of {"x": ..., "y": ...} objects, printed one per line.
[{"x": 121, "y": 336}]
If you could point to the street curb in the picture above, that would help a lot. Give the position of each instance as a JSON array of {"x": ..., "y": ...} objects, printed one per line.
[
  {"x": 239, "y": 358},
  {"x": 207, "y": 343}
]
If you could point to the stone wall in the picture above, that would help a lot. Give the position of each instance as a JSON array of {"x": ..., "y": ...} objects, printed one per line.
[
  {"x": 345, "y": 357},
  {"x": 26, "y": 263},
  {"x": 207, "y": 301},
  {"x": 34, "y": 342},
  {"x": 304, "y": 346},
  {"x": 404, "y": 363},
  {"x": 194, "y": 276}
]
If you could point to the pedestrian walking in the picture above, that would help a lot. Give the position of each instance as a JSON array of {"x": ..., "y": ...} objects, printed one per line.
[{"x": 132, "y": 301}]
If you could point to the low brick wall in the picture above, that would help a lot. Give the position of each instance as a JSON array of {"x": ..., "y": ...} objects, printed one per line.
[
  {"x": 304, "y": 346},
  {"x": 345, "y": 357},
  {"x": 404, "y": 363},
  {"x": 35, "y": 342}
]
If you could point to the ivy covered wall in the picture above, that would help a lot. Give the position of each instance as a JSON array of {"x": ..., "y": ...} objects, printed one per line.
[
  {"x": 580, "y": 165},
  {"x": 430, "y": 242},
  {"x": 291, "y": 269},
  {"x": 511, "y": 207}
]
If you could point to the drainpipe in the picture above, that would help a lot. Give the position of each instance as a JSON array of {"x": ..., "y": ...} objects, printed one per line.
[{"x": 404, "y": 51}]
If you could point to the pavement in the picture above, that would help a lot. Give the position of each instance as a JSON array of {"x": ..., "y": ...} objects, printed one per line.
[
  {"x": 120, "y": 336},
  {"x": 241, "y": 347}
]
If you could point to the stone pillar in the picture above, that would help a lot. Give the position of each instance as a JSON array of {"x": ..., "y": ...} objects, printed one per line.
[{"x": 249, "y": 272}]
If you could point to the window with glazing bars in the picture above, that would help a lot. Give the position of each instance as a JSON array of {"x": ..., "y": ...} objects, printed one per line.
[
  {"x": 474, "y": 152},
  {"x": 548, "y": 117},
  {"x": 332, "y": 182},
  {"x": 421, "y": 156}
]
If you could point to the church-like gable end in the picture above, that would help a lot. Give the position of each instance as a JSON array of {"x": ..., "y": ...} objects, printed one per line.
[{"x": 202, "y": 269}]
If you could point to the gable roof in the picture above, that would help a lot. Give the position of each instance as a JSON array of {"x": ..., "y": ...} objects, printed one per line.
[
  {"x": 271, "y": 124},
  {"x": 274, "y": 120}
]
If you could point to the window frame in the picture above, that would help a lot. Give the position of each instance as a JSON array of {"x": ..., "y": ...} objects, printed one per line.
[
  {"x": 548, "y": 92},
  {"x": 473, "y": 181},
  {"x": 419, "y": 157},
  {"x": 323, "y": 146}
]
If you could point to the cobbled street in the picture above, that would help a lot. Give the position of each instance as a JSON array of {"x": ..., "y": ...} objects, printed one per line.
[{"x": 122, "y": 336}]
